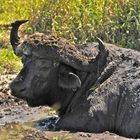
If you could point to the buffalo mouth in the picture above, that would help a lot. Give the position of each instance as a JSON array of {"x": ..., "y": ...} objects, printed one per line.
[
  {"x": 17, "y": 92},
  {"x": 31, "y": 103},
  {"x": 22, "y": 93},
  {"x": 35, "y": 102}
]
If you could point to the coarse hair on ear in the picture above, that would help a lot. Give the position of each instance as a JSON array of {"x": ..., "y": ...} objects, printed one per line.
[{"x": 68, "y": 79}]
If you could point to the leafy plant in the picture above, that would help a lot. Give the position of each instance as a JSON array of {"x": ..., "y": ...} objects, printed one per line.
[{"x": 82, "y": 20}]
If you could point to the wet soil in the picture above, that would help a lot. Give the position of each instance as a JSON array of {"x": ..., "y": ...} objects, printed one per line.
[{"x": 18, "y": 121}]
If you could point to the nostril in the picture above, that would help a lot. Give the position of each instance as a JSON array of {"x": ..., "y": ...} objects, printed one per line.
[{"x": 23, "y": 89}]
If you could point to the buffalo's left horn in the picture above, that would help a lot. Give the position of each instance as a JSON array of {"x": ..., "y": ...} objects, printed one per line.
[
  {"x": 14, "y": 38},
  {"x": 102, "y": 54}
]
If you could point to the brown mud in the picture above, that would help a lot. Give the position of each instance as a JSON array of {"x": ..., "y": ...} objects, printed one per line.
[{"x": 18, "y": 121}]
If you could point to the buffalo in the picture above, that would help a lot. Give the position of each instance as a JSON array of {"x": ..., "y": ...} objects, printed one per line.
[{"x": 94, "y": 87}]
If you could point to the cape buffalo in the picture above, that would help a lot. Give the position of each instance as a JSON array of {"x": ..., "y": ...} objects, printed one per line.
[{"x": 95, "y": 86}]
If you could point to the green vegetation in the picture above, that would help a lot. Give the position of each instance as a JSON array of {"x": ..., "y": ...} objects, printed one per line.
[
  {"x": 115, "y": 21},
  {"x": 80, "y": 21},
  {"x": 8, "y": 61}
]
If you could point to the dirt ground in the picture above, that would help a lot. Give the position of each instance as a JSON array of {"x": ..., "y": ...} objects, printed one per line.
[{"x": 17, "y": 119}]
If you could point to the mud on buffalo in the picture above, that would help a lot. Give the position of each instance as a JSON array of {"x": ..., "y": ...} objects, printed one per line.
[{"x": 95, "y": 85}]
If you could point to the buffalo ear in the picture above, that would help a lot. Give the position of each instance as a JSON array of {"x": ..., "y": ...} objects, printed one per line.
[{"x": 69, "y": 81}]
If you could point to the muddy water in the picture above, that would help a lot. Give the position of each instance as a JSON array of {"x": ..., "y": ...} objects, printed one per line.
[
  {"x": 35, "y": 117},
  {"x": 47, "y": 124}
]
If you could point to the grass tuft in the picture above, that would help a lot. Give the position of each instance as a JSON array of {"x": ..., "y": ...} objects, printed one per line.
[{"x": 9, "y": 61}]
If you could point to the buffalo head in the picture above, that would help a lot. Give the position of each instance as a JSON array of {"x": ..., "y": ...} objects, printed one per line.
[{"x": 53, "y": 69}]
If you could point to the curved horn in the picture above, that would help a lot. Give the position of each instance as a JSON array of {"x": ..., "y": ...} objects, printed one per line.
[
  {"x": 101, "y": 44},
  {"x": 103, "y": 53},
  {"x": 14, "y": 38}
]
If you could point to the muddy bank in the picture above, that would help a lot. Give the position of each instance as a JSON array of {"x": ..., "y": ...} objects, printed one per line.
[
  {"x": 23, "y": 132},
  {"x": 25, "y": 123}
]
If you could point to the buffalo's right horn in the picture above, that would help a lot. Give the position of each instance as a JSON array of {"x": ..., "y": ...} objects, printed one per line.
[{"x": 14, "y": 38}]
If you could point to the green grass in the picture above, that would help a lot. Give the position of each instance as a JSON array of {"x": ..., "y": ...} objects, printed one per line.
[{"x": 9, "y": 61}]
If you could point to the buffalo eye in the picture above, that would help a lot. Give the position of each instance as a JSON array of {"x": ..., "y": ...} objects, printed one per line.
[{"x": 25, "y": 60}]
